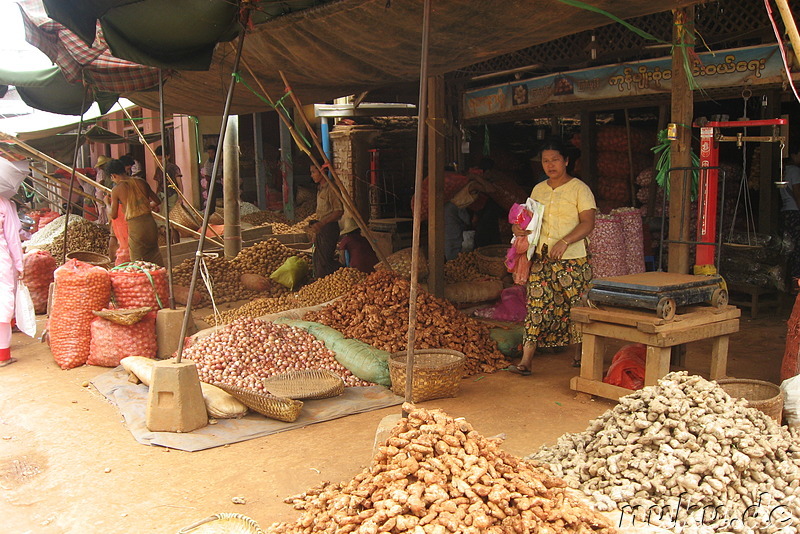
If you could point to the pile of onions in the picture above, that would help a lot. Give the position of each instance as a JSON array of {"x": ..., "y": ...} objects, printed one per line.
[{"x": 248, "y": 350}]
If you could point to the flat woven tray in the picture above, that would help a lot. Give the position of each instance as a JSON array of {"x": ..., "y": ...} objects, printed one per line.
[
  {"x": 279, "y": 408},
  {"x": 307, "y": 384},
  {"x": 491, "y": 260},
  {"x": 224, "y": 523},
  {"x": 124, "y": 316}
]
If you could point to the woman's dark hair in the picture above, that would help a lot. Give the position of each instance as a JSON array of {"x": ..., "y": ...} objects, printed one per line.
[
  {"x": 127, "y": 160},
  {"x": 557, "y": 145},
  {"x": 115, "y": 166}
]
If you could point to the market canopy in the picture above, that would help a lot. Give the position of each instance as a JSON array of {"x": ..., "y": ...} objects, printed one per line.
[
  {"x": 334, "y": 49},
  {"x": 48, "y": 90}
]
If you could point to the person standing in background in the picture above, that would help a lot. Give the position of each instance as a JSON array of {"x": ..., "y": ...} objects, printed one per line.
[
  {"x": 325, "y": 231},
  {"x": 173, "y": 172},
  {"x": 790, "y": 214},
  {"x": 11, "y": 272},
  {"x": 205, "y": 173},
  {"x": 99, "y": 194}
]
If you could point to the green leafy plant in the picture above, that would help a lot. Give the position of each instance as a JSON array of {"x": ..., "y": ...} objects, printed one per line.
[{"x": 664, "y": 148}]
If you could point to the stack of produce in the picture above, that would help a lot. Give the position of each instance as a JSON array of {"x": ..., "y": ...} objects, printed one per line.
[
  {"x": 246, "y": 351},
  {"x": 614, "y": 163},
  {"x": 139, "y": 284},
  {"x": 376, "y": 312},
  {"x": 633, "y": 231},
  {"x": 462, "y": 269},
  {"x": 264, "y": 257},
  {"x": 299, "y": 227},
  {"x": 437, "y": 474},
  {"x": 225, "y": 281},
  {"x": 401, "y": 261},
  {"x": 261, "y": 218},
  {"x": 83, "y": 235},
  {"x": 318, "y": 292},
  {"x": 607, "y": 247},
  {"x": 686, "y": 439},
  {"x": 39, "y": 266}
]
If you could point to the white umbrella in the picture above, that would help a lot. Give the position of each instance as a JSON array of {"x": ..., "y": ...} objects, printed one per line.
[{"x": 10, "y": 178}]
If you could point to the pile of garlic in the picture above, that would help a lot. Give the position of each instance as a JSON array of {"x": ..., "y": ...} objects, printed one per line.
[{"x": 684, "y": 454}]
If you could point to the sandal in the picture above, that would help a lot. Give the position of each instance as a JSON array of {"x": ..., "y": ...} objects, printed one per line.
[
  {"x": 576, "y": 362},
  {"x": 519, "y": 370},
  {"x": 8, "y": 362}
]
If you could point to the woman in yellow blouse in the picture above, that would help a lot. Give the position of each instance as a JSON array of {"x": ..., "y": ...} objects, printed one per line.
[{"x": 560, "y": 270}]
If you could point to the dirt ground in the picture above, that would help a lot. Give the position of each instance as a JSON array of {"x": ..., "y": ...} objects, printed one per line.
[{"x": 69, "y": 465}]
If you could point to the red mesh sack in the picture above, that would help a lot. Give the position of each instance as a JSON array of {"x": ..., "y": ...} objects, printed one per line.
[
  {"x": 139, "y": 284},
  {"x": 80, "y": 289},
  {"x": 111, "y": 341},
  {"x": 39, "y": 267},
  {"x": 628, "y": 367},
  {"x": 46, "y": 218}
]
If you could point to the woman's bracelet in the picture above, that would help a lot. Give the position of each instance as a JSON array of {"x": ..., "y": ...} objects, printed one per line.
[{"x": 565, "y": 241}]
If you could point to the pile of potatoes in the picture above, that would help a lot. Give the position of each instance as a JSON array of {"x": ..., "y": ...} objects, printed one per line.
[
  {"x": 225, "y": 281},
  {"x": 462, "y": 269},
  {"x": 318, "y": 292},
  {"x": 296, "y": 228},
  {"x": 264, "y": 257},
  {"x": 436, "y": 474},
  {"x": 376, "y": 312},
  {"x": 685, "y": 439}
]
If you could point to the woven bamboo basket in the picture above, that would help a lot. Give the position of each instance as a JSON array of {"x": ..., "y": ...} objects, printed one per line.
[
  {"x": 179, "y": 214},
  {"x": 224, "y": 523},
  {"x": 92, "y": 258},
  {"x": 279, "y": 408},
  {"x": 491, "y": 260},
  {"x": 764, "y": 396},
  {"x": 437, "y": 373},
  {"x": 306, "y": 384},
  {"x": 124, "y": 316}
]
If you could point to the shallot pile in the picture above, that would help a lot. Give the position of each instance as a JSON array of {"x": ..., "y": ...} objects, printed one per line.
[
  {"x": 248, "y": 350},
  {"x": 437, "y": 475},
  {"x": 684, "y": 439},
  {"x": 376, "y": 312},
  {"x": 317, "y": 292}
]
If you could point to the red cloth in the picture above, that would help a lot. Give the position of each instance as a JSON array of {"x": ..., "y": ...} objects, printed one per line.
[{"x": 791, "y": 363}]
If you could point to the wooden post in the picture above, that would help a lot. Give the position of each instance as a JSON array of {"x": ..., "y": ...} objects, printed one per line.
[
  {"x": 261, "y": 174},
  {"x": 630, "y": 156},
  {"x": 230, "y": 189},
  {"x": 768, "y": 196},
  {"x": 652, "y": 189},
  {"x": 436, "y": 163},
  {"x": 589, "y": 149},
  {"x": 287, "y": 168},
  {"x": 681, "y": 149}
]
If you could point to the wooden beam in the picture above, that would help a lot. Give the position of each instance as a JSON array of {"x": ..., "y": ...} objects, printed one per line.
[
  {"x": 681, "y": 149},
  {"x": 436, "y": 163},
  {"x": 589, "y": 148}
]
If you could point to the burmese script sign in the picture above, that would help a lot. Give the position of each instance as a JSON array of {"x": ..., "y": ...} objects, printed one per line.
[{"x": 742, "y": 67}]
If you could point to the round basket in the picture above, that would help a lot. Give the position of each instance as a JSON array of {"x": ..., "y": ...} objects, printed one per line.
[
  {"x": 306, "y": 384},
  {"x": 279, "y": 408},
  {"x": 224, "y": 523},
  {"x": 124, "y": 316},
  {"x": 437, "y": 373},
  {"x": 764, "y": 396},
  {"x": 92, "y": 258},
  {"x": 491, "y": 260}
]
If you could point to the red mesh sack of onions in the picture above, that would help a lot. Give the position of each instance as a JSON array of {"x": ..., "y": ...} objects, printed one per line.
[
  {"x": 248, "y": 350},
  {"x": 607, "y": 247},
  {"x": 138, "y": 284},
  {"x": 80, "y": 289},
  {"x": 633, "y": 230},
  {"x": 111, "y": 342},
  {"x": 39, "y": 268}
]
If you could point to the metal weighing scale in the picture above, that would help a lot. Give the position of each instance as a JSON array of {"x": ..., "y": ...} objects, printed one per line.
[{"x": 659, "y": 291}]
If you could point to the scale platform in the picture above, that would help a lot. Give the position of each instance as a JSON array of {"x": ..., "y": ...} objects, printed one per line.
[{"x": 659, "y": 291}]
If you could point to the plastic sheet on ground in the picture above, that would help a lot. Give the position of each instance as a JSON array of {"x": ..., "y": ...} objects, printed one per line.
[{"x": 131, "y": 399}]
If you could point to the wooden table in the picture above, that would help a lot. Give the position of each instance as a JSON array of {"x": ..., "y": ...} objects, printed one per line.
[{"x": 659, "y": 335}]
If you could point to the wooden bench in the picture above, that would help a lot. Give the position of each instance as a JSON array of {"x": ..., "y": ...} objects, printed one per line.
[
  {"x": 753, "y": 297},
  {"x": 659, "y": 335}
]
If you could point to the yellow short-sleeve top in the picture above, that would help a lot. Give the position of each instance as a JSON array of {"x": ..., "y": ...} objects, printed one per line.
[{"x": 562, "y": 206}]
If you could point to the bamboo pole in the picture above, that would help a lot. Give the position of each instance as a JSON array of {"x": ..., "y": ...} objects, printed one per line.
[
  {"x": 48, "y": 190},
  {"x": 44, "y": 157},
  {"x": 339, "y": 188},
  {"x": 164, "y": 186},
  {"x": 791, "y": 26},
  {"x": 415, "y": 240}
]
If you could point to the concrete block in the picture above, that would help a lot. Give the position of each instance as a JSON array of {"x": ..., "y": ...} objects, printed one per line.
[
  {"x": 384, "y": 430},
  {"x": 168, "y": 331},
  {"x": 175, "y": 401}
]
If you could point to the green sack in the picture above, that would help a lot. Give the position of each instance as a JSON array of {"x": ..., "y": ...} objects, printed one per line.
[
  {"x": 292, "y": 273},
  {"x": 326, "y": 334},
  {"x": 509, "y": 341},
  {"x": 364, "y": 361}
]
